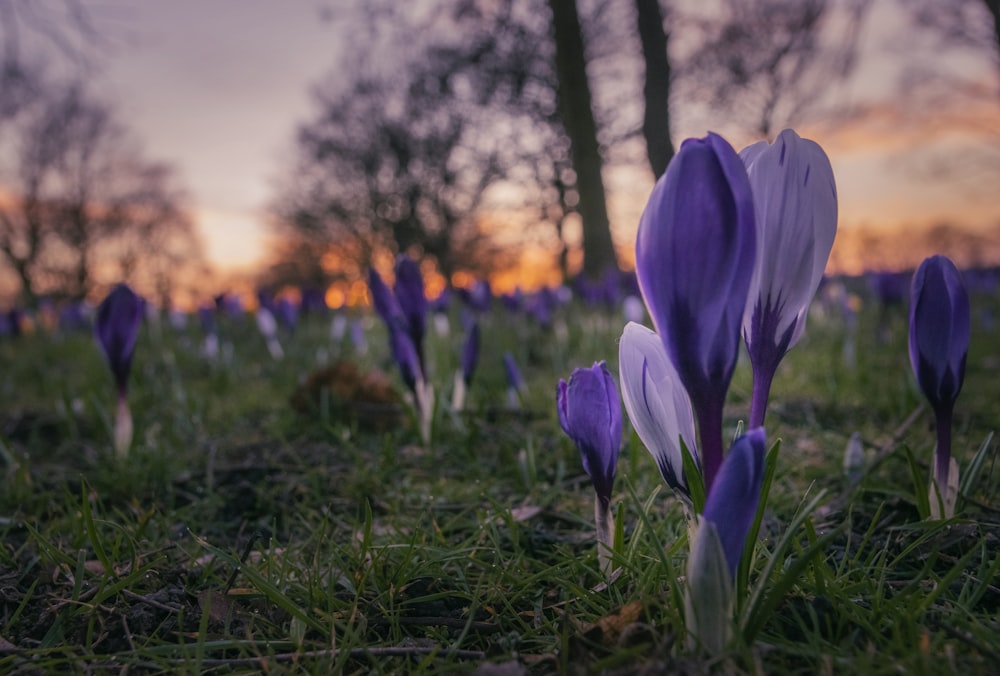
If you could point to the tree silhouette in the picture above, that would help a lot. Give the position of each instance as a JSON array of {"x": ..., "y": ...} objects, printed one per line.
[{"x": 85, "y": 204}]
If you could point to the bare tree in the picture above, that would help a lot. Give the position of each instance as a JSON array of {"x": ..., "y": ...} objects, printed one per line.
[
  {"x": 951, "y": 81},
  {"x": 85, "y": 203},
  {"x": 393, "y": 165},
  {"x": 771, "y": 63},
  {"x": 65, "y": 30}
]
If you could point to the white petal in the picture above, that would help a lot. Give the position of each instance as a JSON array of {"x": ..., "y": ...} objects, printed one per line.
[
  {"x": 656, "y": 402},
  {"x": 795, "y": 202}
]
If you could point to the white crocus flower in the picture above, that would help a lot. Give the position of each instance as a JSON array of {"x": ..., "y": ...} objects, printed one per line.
[
  {"x": 795, "y": 204},
  {"x": 269, "y": 329},
  {"x": 656, "y": 401}
]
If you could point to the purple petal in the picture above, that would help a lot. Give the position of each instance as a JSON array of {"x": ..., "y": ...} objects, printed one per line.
[
  {"x": 733, "y": 499},
  {"x": 695, "y": 252}
]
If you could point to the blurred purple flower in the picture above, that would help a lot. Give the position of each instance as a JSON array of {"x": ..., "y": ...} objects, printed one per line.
[
  {"x": 406, "y": 358},
  {"x": 470, "y": 353},
  {"x": 12, "y": 325},
  {"x": 265, "y": 299},
  {"x": 409, "y": 291},
  {"x": 73, "y": 316},
  {"x": 286, "y": 312},
  {"x": 795, "y": 198},
  {"x": 117, "y": 327},
  {"x": 514, "y": 301},
  {"x": 314, "y": 301},
  {"x": 732, "y": 503},
  {"x": 889, "y": 287},
  {"x": 590, "y": 414},
  {"x": 206, "y": 316},
  {"x": 479, "y": 296},
  {"x": 515, "y": 381},
  {"x": 442, "y": 302},
  {"x": 119, "y": 317},
  {"x": 385, "y": 302},
  {"x": 403, "y": 322},
  {"x": 695, "y": 254},
  {"x": 940, "y": 327},
  {"x": 358, "y": 339}
]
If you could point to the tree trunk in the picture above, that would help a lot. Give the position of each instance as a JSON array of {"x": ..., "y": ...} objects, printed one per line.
[
  {"x": 578, "y": 119},
  {"x": 656, "y": 87},
  {"x": 993, "y": 7}
]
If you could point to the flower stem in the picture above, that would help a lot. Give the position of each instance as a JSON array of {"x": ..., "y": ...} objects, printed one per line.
[
  {"x": 762, "y": 377},
  {"x": 710, "y": 438},
  {"x": 605, "y": 533},
  {"x": 123, "y": 426},
  {"x": 942, "y": 453}
]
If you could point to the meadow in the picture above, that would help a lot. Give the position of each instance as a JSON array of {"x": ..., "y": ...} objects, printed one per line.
[{"x": 245, "y": 534}]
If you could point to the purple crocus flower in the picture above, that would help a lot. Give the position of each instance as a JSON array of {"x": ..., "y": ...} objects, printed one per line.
[
  {"x": 480, "y": 296},
  {"x": 940, "y": 327},
  {"x": 286, "y": 312},
  {"x": 717, "y": 544},
  {"x": 409, "y": 291},
  {"x": 515, "y": 381},
  {"x": 314, "y": 301},
  {"x": 590, "y": 414},
  {"x": 467, "y": 365},
  {"x": 385, "y": 302},
  {"x": 470, "y": 353},
  {"x": 118, "y": 319},
  {"x": 796, "y": 212},
  {"x": 732, "y": 503},
  {"x": 405, "y": 354},
  {"x": 442, "y": 302},
  {"x": 695, "y": 252},
  {"x": 117, "y": 327},
  {"x": 14, "y": 318}
]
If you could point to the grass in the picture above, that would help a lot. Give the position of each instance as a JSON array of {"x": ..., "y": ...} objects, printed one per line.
[{"x": 242, "y": 535}]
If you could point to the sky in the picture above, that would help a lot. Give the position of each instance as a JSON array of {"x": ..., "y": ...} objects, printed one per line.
[{"x": 217, "y": 88}]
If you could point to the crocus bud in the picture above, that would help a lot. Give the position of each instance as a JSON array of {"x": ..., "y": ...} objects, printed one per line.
[
  {"x": 117, "y": 326},
  {"x": 515, "y": 381},
  {"x": 385, "y": 302},
  {"x": 940, "y": 328},
  {"x": 695, "y": 252},
  {"x": 590, "y": 414},
  {"x": 656, "y": 402},
  {"x": 405, "y": 354},
  {"x": 409, "y": 291},
  {"x": 708, "y": 598},
  {"x": 795, "y": 201},
  {"x": 732, "y": 502},
  {"x": 467, "y": 366}
]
